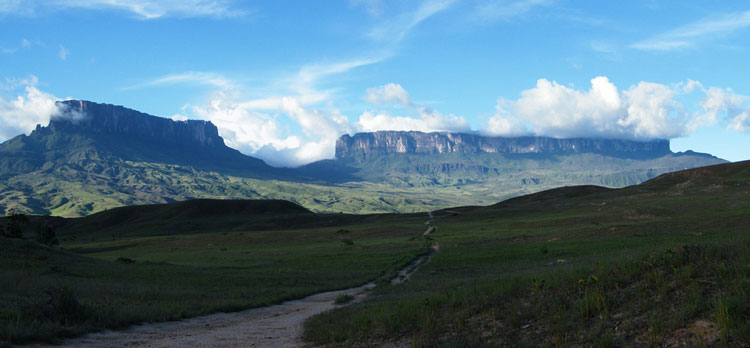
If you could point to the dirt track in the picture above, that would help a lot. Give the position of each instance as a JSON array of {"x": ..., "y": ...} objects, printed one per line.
[{"x": 275, "y": 326}]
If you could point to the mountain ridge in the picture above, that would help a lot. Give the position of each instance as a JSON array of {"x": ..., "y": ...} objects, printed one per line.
[
  {"x": 86, "y": 131},
  {"x": 93, "y": 157},
  {"x": 364, "y": 145}
]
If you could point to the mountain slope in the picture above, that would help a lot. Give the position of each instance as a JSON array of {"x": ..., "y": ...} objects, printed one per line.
[
  {"x": 94, "y": 157},
  {"x": 88, "y": 135},
  {"x": 662, "y": 264},
  {"x": 514, "y": 165}
]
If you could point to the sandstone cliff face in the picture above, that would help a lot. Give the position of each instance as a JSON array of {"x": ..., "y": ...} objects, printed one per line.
[
  {"x": 387, "y": 142},
  {"x": 113, "y": 120},
  {"x": 86, "y": 131}
]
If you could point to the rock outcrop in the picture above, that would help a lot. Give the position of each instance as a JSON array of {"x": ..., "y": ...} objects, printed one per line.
[
  {"x": 84, "y": 130},
  {"x": 114, "y": 120},
  {"x": 363, "y": 145}
]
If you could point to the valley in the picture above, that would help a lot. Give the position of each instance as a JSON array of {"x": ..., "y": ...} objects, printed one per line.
[
  {"x": 99, "y": 156},
  {"x": 660, "y": 263}
]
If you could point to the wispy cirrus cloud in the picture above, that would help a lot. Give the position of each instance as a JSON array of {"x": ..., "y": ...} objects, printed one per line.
[
  {"x": 141, "y": 9},
  {"x": 504, "y": 9},
  {"x": 63, "y": 53},
  {"x": 692, "y": 34},
  {"x": 396, "y": 29},
  {"x": 374, "y": 7},
  {"x": 188, "y": 77}
]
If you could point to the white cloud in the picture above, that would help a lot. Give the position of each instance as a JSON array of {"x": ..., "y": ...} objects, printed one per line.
[
  {"x": 304, "y": 81},
  {"x": 396, "y": 29},
  {"x": 392, "y": 94},
  {"x": 21, "y": 114},
  {"x": 374, "y": 7},
  {"x": 63, "y": 53},
  {"x": 141, "y": 9},
  {"x": 504, "y": 9},
  {"x": 197, "y": 77},
  {"x": 249, "y": 127},
  {"x": 691, "y": 34},
  {"x": 646, "y": 110},
  {"x": 503, "y": 123},
  {"x": 178, "y": 117},
  {"x": 606, "y": 49},
  {"x": 427, "y": 122},
  {"x": 388, "y": 94},
  {"x": 643, "y": 111},
  {"x": 740, "y": 122}
]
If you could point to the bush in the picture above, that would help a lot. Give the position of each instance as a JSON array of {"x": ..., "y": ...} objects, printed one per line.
[
  {"x": 46, "y": 235},
  {"x": 61, "y": 306}
]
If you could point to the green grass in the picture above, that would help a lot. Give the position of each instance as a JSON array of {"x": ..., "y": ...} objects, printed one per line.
[
  {"x": 631, "y": 267},
  {"x": 94, "y": 180},
  {"x": 642, "y": 266},
  {"x": 109, "y": 283}
]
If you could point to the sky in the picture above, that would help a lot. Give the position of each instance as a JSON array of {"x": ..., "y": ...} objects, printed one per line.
[{"x": 282, "y": 80}]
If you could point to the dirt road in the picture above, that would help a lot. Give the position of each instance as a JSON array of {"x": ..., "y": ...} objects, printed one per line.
[{"x": 275, "y": 326}]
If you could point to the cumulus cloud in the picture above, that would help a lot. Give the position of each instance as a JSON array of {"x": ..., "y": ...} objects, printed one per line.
[
  {"x": 392, "y": 94},
  {"x": 740, "y": 122},
  {"x": 388, "y": 94},
  {"x": 643, "y": 111},
  {"x": 503, "y": 123},
  {"x": 427, "y": 122},
  {"x": 254, "y": 127},
  {"x": 21, "y": 114}
]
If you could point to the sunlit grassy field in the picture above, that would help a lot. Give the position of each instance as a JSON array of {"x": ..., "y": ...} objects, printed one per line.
[
  {"x": 664, "y": 263},
  {"x": 661, "y": 264},
  {"x": 112, "y": 280}
]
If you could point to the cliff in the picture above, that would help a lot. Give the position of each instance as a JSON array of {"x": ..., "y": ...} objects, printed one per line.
[
  {"x": 363, "y": 145},
  {"x": 85, "y": 131},
  {"x": 114, "y": 120}
]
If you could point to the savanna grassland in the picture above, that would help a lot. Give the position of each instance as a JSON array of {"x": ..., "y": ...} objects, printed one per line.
[
  {"x": 168, "y": 262},
  {"x": 665, "y": 263}
]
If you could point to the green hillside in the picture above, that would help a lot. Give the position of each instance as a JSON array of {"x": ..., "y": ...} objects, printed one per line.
[
  {"x": 663, "y": 263},
  {"x": 659, "y": 264}
]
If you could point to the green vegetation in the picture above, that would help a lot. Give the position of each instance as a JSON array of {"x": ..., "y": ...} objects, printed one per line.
[
  {"x": 73, "y": 171},
  {"x": 106, "y": 278},
  {"x": 660, "y": 264},
  {"x": 664, "y": 263}
]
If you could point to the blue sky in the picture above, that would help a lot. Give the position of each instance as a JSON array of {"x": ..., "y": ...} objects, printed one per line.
[{"x": 283, "y": 79}]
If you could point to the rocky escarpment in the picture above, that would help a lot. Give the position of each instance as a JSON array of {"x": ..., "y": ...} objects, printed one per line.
[
  {"x": 87, "y": 134},
  {"x": 363, "y": 145},
  {"x": 114, "y": 120}
]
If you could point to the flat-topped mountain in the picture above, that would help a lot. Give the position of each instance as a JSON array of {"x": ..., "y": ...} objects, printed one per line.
[
  {"x": 86, "y": 132},
  {"x": 92, "y": 157},
  {"x": 363, "y": 145},
  {"x": 81, "y": 116}
]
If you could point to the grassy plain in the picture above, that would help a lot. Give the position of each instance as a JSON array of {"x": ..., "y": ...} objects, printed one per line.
[
  {"x": 110, "y": 280},
  {"x": 665, "y": 263}
]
